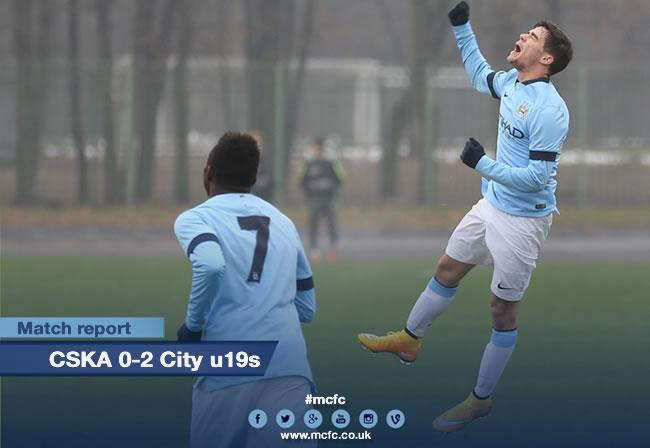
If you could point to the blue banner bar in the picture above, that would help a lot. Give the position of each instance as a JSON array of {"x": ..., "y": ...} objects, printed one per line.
[
  {"x": 82, "y": 327},
  {"x": 210, "y": 358}
]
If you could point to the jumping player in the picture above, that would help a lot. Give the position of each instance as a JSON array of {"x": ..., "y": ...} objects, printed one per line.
[{"x": 508, "y": 225}]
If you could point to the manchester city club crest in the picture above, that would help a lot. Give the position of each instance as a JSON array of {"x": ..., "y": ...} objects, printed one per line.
[{"x": 523, "y": 109}]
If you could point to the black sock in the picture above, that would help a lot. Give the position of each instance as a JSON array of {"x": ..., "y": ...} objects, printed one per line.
[{"x": 410, "y": 334}]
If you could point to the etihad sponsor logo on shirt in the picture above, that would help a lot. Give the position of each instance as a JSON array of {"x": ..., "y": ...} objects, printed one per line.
[{"x": 509, "y": 129}]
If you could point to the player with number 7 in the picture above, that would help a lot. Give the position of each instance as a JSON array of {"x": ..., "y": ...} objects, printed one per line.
[{"x": 251, "y": 280}]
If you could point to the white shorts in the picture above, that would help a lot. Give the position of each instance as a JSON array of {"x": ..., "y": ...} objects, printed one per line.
[
  {"x": 486, "y": 235},
  {"x": 220, "y": 417}
]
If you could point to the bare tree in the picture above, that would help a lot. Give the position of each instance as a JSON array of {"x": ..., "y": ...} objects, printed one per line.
[
  {"x": 180, "y": 101},
  {"x": 263, "y": 52},
  {"x": 151, "y": 48},
  {"x": 75, "y": 90},
  {"x": 112, "y": 176},
  {"x": 25, "y": 141},
  {"x": 419, "y": 87},
  {"x": 429, "y": 29},
  {"x": 32, "y": 53},
  {"x": 397, "y": 46},
  {"x": 296, "y": 80},
  {"x": 223, "y": 13},
  {"x": 270, "y": 45}
]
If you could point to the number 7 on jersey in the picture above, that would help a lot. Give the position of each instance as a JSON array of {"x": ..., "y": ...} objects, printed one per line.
[{"x": 259, "y": 224}]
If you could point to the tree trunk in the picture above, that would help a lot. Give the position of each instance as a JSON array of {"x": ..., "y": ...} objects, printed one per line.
[
  {"x": 75, "y": 90},
  {"x": 25, "y": 144},
  {"x": 398, "y": 121},
  {"x": 32, "y": 75},
  {"x": 418, "y": 85},
  {"x": 112, "y": 178},
  {"x": 294, "y": 92},
  {"x": 151, "y": 51},
  {"x": 427, "y": 39},
  {"x": 143, "y": 20},
  {"x": 263, "y": 50},
  {"x": 270, "y": 43},
  {"x": 180, "y": 103},
  {"x": 224, "y": 74}
]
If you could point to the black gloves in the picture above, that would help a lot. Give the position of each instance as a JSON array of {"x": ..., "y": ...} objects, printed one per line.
[
  {"x": 184, "y": 334},
  {"x": 472, "y": 153},
  {"x": 460, "y": 14}
]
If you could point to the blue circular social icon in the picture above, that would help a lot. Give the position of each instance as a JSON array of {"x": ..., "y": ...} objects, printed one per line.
[
  {"x": 340, "y": 418},
  {"x": 313, "y": 418},
  {"x": 285, "y": 418},
  {"x": 257, "y": 418},
  {"x": 395, "y": 419},
  {"x": 368, "y": 418}
]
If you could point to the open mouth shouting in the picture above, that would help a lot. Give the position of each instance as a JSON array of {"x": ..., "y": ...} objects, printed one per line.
[{"x": 516, "y": 51}]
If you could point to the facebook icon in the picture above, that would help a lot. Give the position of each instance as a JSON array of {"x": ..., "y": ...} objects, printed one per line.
[{"x": 257, "y": 418}]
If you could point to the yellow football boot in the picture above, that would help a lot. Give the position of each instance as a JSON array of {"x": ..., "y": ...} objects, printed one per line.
[
  {"x": 399, "y": 343},
  {"x": 463, "y": 413}
]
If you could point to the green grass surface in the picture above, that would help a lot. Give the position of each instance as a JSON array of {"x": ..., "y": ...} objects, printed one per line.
[
  {"x": 578, "y": 377},
  {"x": 371, "y": 217}
]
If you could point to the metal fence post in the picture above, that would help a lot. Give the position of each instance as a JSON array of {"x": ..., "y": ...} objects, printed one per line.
[
  {"x": 279, "y": 153},
  {"x": 582, "y": 171},
  {"x": 429, "y": 160},
  {"x": 132, "y": 141}
]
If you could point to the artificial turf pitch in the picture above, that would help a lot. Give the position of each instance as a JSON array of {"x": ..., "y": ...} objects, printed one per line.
[{"x": 579, "y": 375}]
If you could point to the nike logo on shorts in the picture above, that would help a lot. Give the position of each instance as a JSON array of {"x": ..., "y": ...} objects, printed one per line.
[{"x": 501, "y": 287}]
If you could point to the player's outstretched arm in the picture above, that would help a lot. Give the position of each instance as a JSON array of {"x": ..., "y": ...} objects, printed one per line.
[{"x": 481, "y": 75}]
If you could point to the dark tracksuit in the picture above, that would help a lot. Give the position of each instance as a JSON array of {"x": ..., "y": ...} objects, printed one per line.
[{"x": 320, "y": 182}]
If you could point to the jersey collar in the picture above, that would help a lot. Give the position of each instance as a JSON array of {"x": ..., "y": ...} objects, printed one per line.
[{"x": 545, "y": 79}]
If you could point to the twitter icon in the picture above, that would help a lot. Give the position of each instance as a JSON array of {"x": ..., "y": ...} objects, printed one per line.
[{"x": 285, "y": 418}]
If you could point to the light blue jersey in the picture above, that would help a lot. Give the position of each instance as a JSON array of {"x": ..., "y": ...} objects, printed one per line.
[
  {"x": 251, "y": 280},
  {"x": 533, "y": 125}
]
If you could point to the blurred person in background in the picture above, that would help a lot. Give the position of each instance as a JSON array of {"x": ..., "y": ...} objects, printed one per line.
[
  {"x": 265, "y": 181},
  {"x": 320, "y": 179}
]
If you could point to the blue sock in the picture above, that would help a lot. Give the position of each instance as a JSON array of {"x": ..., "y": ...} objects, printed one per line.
[
  {"x": 495, "y": 358},
  {"x": 432, "y": 302}
]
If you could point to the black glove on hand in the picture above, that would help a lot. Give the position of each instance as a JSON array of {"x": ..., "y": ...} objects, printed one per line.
[
  {"x": 184, "y": 334},
  {"x": 472, "y": 153},
  {"x": 460, "y": 14}
]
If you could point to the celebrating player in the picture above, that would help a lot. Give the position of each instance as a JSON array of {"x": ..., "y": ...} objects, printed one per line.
[
  {"x": 251, "y": 281},
  {"x": 508, "y": 225}
]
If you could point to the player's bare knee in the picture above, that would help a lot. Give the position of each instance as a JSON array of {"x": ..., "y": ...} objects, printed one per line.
[
  {"x": 497, "y": 311},
  {"x": 444, "y": 273},
  {"x": 504, "y": 314},
  {"x": 450, "y": 272}
]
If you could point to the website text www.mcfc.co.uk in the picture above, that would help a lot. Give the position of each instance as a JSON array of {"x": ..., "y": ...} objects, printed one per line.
[{"x": 326, "y": 435}]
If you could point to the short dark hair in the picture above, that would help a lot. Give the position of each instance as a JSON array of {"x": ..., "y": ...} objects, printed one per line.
[
  {"x": 235, "y": 160},
  {"x": 558, "y": 45}
]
